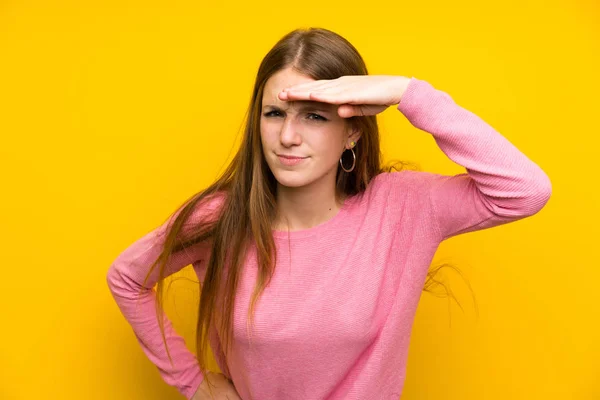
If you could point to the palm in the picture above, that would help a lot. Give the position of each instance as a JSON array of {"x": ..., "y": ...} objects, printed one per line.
[{"x": 356, "y": 94}]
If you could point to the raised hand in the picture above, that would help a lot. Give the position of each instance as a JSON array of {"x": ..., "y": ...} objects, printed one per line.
[{"x": 356, "y": 94}]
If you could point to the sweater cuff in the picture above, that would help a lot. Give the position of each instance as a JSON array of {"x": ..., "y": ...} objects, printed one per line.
[
  {"x": 409, "y": 93},
  {"x": 421, "y": 101}
]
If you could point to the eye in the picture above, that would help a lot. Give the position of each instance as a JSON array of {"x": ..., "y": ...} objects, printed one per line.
[
  {"x": 318, "y": 117},
  {"x": 268, "y": 114}
]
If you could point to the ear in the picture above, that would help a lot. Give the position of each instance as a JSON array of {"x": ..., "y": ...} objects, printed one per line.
[{"x": 353, "y": 136}]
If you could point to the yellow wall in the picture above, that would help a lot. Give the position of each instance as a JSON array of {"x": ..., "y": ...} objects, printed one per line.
[{"x": 112, "y": 113}]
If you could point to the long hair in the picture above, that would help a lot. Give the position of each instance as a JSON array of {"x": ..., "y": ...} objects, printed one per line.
[{"x": 246, "y": 191}]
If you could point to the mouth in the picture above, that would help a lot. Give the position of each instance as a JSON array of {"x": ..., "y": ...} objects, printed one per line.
[
  {"x": 290, "y": 160},
  {"x": 290, "y": 157}
]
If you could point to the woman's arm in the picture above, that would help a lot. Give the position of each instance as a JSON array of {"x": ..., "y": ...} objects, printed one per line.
[
  {"x": 136, "y": 301},
  {"x": 501, "y": 183}
]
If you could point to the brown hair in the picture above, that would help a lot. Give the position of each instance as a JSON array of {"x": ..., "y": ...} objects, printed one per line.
[{"x": 249, "y": 207}]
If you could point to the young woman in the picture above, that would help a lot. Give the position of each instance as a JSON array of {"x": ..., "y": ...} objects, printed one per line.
[{"x": 311, "y": 256}]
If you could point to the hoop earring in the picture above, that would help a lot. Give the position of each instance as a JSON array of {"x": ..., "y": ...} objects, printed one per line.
[{"x": 353, "y": 161}]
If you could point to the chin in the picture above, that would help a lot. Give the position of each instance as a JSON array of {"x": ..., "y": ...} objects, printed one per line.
[{"x": 292, "y": 179}]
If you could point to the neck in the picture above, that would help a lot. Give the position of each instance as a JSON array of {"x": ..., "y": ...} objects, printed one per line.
[{"x": 307, "y": 206}]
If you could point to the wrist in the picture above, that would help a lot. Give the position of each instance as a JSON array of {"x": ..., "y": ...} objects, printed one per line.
[{"x": 400, "y": 87}]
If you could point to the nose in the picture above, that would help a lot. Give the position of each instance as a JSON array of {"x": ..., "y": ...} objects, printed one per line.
[{"x": 289, "y": 135}]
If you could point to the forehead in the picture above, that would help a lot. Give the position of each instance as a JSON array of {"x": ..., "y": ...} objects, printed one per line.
[{"x": 284, "y": 79}]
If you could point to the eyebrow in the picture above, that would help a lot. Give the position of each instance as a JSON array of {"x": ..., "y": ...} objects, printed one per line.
[{"x": 306, "y": 105}]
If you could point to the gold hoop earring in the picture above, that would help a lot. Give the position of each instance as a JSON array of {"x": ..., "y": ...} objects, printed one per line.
[{"x": 353, "y": 161}]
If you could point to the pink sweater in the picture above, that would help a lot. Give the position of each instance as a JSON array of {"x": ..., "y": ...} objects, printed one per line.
[{"x": 336, "y": 320}]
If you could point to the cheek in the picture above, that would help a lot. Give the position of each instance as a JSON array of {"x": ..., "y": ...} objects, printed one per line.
[
  {"x": 331, "y": 141},
  {"x": 267, "y": 136}
]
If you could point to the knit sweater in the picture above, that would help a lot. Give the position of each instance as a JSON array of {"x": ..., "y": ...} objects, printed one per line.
[{"x": 336, "y": 319}]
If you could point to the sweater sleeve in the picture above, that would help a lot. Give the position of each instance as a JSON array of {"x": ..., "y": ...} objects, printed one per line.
[
  {"x": 501, "y": 184},
  {"x": 136, "y": 301}
]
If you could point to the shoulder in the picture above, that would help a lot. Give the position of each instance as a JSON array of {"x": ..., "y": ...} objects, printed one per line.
[
  {"x": 210, "y": 206},
  {"x": 386, "y": 183},
  {"x": 200, "y": 211},
  {"x": 387, "y": 189},
  {"x": 397, "y": 192}
]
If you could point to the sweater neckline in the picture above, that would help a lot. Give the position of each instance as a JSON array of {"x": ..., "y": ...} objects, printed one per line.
[{"x": 322, "y": 228}]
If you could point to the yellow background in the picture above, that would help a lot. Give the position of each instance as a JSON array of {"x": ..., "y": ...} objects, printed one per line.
[{"x": 113, "y": 112}]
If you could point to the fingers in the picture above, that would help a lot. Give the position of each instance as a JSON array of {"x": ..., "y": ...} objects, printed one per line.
[
  {"x": 349, "y": 110},
  {"x": 322, "y": 90},
  {"x": 319, "y": 95},
  {"x": 346, "y": 111}
]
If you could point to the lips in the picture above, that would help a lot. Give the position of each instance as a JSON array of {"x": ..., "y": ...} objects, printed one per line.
[
  {"x": 290, "y": 157},
  {"x": 291, "y": 161}
]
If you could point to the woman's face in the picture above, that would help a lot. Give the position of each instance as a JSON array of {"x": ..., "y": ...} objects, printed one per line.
[{"x": 307, "y": 129}]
